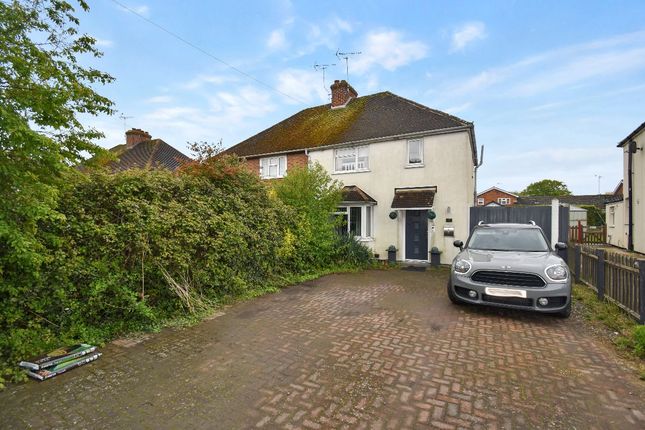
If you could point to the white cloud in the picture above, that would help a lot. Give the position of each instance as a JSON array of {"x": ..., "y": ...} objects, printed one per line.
[
  {"x": 304, "y": 85},
  {"x": 467, "y": 34},
  {"x": 387, "y": 49},
  {"x": 328, "y": 33},
  {"x": 200, "y": 80},
  {"x": 104, "y": 43},
  {"x": 559, "y": 68},
  {"x": 277, "y": 40},
  {"x": 372, "y": 83},
  {"x": 159, "y": 99},
  {"x": 581, "y": 69},
  {"x": 454, "y": 110},
  {"x": 143, "y": 9}
]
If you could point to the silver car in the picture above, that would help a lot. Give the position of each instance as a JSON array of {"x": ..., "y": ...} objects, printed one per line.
[{"x": 511, "y": 266}]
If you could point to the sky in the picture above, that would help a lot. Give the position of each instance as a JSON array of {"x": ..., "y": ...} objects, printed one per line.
[{"x": 551, "y": 86}]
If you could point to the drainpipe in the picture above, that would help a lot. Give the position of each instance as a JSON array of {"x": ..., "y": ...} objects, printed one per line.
[
  {"x": 631, "y": 150},
  {"x": 481, "y": 161}
]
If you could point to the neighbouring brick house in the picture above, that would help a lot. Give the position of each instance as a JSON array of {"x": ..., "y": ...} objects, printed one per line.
[
  {"x": 496, "y": 196},
  {"x": 402, "y": 164},
  {"x": 141, "y": 151}
]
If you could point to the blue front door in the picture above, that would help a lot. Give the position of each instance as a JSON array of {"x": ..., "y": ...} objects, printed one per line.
[{"x": 416, "y": 235}]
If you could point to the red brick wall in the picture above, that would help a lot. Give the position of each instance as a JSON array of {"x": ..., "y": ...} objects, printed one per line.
[
  {"x": 253, "y": 164},
  {"x": 297, "y": 159},
  {"x": 493, "y": 195}
]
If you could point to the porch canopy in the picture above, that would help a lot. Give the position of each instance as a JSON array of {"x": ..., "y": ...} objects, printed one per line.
[
  {"x": 353, "y": 194},
  {"x": 413, "y": 198}
]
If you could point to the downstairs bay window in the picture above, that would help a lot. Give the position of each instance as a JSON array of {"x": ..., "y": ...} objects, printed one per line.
[{"x": 355, "y": 221}]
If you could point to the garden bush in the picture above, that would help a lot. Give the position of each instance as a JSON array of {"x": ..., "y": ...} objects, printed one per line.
[{"x": 133, "y": 250}]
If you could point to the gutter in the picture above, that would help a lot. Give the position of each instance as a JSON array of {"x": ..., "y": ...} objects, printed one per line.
[
  {"x": 468, "y": 128},
  {"x": 394, "y": 137}
]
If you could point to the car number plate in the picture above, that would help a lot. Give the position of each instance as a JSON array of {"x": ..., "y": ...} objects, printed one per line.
[{"x": 505, "y": 292}]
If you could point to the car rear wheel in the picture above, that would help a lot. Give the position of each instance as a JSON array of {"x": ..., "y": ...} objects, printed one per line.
[{"x": 451, "y": 295}]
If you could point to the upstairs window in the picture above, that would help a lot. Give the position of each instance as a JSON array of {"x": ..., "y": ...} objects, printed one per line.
[
  {"x": 353, "y": 159},
  {"x": 415, "y": 152},
  {"x": 504, "y": 201},
  {"x": 480, "y": 201},
  {"x": 273, "y": 167}
]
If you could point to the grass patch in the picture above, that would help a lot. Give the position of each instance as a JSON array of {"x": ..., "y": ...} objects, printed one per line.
[{"x": 625, "y": 333}]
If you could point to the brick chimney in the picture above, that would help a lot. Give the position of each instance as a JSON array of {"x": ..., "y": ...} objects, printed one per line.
[
  {"x": 341, "y": 94},
  {"x": 134, "y": 136}
]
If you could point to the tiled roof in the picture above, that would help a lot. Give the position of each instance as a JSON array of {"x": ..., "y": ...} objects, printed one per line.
[
  {"x": 597, "y": 200},
  {"x": 149, "y": 154},
  {"x": 407, "y": 198},
  {"x": 364, "y": 118},
  {"x": 352, "y": 193}
]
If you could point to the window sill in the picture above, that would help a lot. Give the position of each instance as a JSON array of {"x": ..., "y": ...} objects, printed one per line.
[
  {"x": 365, "y": 239},
  {"x": 344, "y": 172},
  {"x": 414, "y": 166}
]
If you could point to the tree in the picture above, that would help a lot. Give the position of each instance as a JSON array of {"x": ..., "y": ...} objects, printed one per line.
[
  {"x": 314, "y": 196},
  {"x": 43, "y": 89},
  {"x": 546, "y": 187}
]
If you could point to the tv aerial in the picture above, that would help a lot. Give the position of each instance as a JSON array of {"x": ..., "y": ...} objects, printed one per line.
[
  {"x": 125, "y": 118},
  {"x": 322, "y": 67},
  {"x": 345, "y": 56}
]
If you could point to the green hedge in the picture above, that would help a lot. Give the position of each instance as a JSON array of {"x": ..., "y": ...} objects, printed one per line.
[{"x": 131, "y": 251}]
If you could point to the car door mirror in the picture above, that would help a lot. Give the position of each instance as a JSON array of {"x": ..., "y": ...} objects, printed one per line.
[
  {"x": 459, "y": 244},
  {"x": 560, "y": 246}
]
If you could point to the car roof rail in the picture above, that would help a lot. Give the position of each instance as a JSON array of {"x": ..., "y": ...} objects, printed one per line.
[
  {"x": 532, "y": 222},
  {"x": 481, "y": 223}
]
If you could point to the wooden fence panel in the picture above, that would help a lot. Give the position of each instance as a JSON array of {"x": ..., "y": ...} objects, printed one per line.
[
  {"x": 588, "y": 269},
  {"x": 621, "y": 281}
]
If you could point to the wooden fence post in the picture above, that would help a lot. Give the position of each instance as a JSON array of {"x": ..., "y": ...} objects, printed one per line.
[
  {"x": 641, "y": 291},
  {"x": 600, "y": 273},
  {"x": 577, "y": 261},
  {"x": 580, "y": 234}
]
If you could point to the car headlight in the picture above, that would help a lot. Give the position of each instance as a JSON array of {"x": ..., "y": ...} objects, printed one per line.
[
  {"x": 462, "y": 266},
  {"x": 557, "y": 272}
]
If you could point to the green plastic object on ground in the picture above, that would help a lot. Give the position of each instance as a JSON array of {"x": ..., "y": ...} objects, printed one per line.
[
  {"x": 50, "y": 372},
  {"x": 57, "y": 356}
]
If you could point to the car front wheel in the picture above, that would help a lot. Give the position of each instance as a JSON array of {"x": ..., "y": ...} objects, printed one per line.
[
  {"x": 451, "y": 295},
  {"x": 566, "y": 312}
]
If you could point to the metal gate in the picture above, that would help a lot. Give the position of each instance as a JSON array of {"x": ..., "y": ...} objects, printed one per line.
[{"x": 523, "y": 214}]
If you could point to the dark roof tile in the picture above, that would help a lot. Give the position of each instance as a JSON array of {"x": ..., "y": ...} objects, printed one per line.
[
  {"x": 407, "y": 198},
  {"x": 369, "y": 117},
  {"x": 149, "y": 154},
  {"x": 352, "y": 193}
]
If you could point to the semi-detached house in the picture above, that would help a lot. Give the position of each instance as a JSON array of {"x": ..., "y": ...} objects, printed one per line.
[{"x": 408, "y": 170}]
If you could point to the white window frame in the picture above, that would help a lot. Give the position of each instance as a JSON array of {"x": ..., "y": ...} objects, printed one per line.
[
  {"x": 364, "y": 219},
  {"x": 416, "y": 163},
  {"x": 504, "y": 201},
  {"x": 276, "y": 162},
  {"x": 480, "y": 201},
  {"x": 356, "y": 162}
]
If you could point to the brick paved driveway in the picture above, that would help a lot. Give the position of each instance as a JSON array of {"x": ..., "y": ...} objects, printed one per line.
[{"x": 378, "y": 349}]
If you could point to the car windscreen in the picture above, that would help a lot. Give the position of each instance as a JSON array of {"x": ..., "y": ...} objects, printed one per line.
[{"x": 508, "y": 239}]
